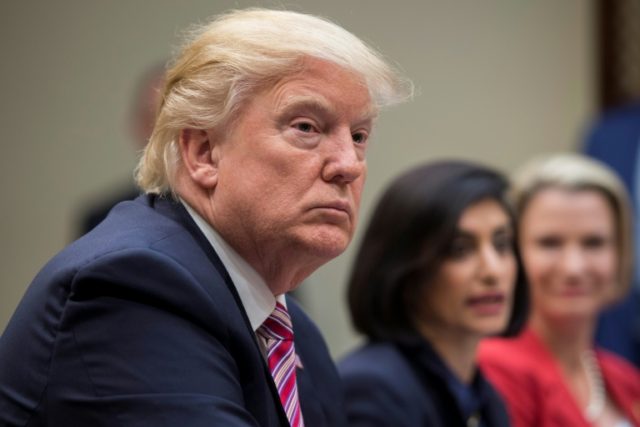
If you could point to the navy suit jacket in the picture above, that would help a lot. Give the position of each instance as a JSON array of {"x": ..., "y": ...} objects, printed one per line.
[
  {"x": 404, "y": 385},
  {"x": 138, "y": 324},
  {"x": 614, "y": 140}
]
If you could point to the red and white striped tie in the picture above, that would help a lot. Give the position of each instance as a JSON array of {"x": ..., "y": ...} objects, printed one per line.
[{"x": 281, "y": 357}]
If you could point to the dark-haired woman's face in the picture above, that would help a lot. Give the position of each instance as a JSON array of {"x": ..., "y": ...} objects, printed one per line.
[{"x": 472, "y": 293}]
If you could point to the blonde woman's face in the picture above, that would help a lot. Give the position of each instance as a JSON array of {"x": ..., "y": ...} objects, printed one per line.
[{"x": 568, "y": 248}]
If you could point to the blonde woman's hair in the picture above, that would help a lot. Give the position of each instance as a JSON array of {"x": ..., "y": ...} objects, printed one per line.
[
  {"x": 576, "y": 172},
  {"x": 224, "y": 63}
]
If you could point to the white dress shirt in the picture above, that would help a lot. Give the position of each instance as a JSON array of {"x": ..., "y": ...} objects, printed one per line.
[{"x": 256, "y": 297}]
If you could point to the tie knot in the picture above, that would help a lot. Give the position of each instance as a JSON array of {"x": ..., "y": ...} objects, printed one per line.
[{"x": 278, "y": 325}]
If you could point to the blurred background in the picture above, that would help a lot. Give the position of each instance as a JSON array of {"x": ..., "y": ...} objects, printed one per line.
[{"x": 498, "y": 81}]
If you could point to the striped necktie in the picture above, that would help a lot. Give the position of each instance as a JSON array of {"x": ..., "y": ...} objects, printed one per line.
[{"x": 281, "y": 357}]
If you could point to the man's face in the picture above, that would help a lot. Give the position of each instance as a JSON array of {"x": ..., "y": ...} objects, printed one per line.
[{"x": 292, "y": 167}]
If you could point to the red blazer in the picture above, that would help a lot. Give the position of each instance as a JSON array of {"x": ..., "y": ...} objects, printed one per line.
[{"x": 530, "y": 381}]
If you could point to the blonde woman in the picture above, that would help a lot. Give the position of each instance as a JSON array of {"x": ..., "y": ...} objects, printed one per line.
[{"x": 574, "y": 232}]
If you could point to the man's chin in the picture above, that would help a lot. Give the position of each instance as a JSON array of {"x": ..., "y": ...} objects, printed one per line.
[{"x": 327, "y": 244}]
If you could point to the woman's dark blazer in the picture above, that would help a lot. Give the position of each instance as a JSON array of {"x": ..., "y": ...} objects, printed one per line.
[{"x": 403, "y": 384}]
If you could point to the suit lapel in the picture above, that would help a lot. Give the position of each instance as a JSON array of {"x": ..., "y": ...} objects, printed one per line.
[{"x": 168, "y": 207}]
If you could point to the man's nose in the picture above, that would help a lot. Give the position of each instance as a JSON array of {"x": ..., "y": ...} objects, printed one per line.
[{"x": 344, "y": 161}]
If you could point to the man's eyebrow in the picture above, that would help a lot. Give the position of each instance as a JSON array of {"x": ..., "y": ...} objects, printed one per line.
[
  {"x": 297, "y": 102},
  {"x": 319, "y": 105}
]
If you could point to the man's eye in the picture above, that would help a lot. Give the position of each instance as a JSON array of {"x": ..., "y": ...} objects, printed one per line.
[
  {"x": 305, "y": 127},
  {"x": 359, "y": 137}
]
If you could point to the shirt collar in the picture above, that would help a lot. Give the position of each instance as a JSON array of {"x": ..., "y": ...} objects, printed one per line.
[{"x": 256, "y": 297}]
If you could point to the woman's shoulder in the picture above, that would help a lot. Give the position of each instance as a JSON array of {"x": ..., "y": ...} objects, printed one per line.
[
  {"x": 383, "y": 367},
  {"x": 517, "y": 353},
  {"x": 514, "y": 363},
  {"x": 617, "y": 370},
  {"x": 382, "y": 360},
  {"x": 380, "y": 386},
  {"x": 622, "y": 381}
]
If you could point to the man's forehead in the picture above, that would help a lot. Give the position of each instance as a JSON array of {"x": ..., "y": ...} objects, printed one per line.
[
  {"x": 316, "y": 101},
  {"x": 320, "y": 83}
]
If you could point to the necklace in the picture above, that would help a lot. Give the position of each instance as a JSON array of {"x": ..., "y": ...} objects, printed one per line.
[{"x": 597, "y": 398}]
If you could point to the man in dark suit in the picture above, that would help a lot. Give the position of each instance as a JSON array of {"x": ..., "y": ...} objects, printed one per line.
[{"x": 172, "y": 311}]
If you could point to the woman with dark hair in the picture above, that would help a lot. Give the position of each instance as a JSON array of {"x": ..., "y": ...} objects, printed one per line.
[{"x": 436, "y": 272}]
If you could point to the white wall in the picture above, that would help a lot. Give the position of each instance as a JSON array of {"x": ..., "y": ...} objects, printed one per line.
[{"x": 498, "y": 80}]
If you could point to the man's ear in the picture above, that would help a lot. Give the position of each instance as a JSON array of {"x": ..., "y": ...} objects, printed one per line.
[{"x": 199, "y": 156}]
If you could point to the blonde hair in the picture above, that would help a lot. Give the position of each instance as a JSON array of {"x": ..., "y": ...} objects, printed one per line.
[
  {"x": 227, "y": 60},
  {"x": 577, "y": 172}
]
